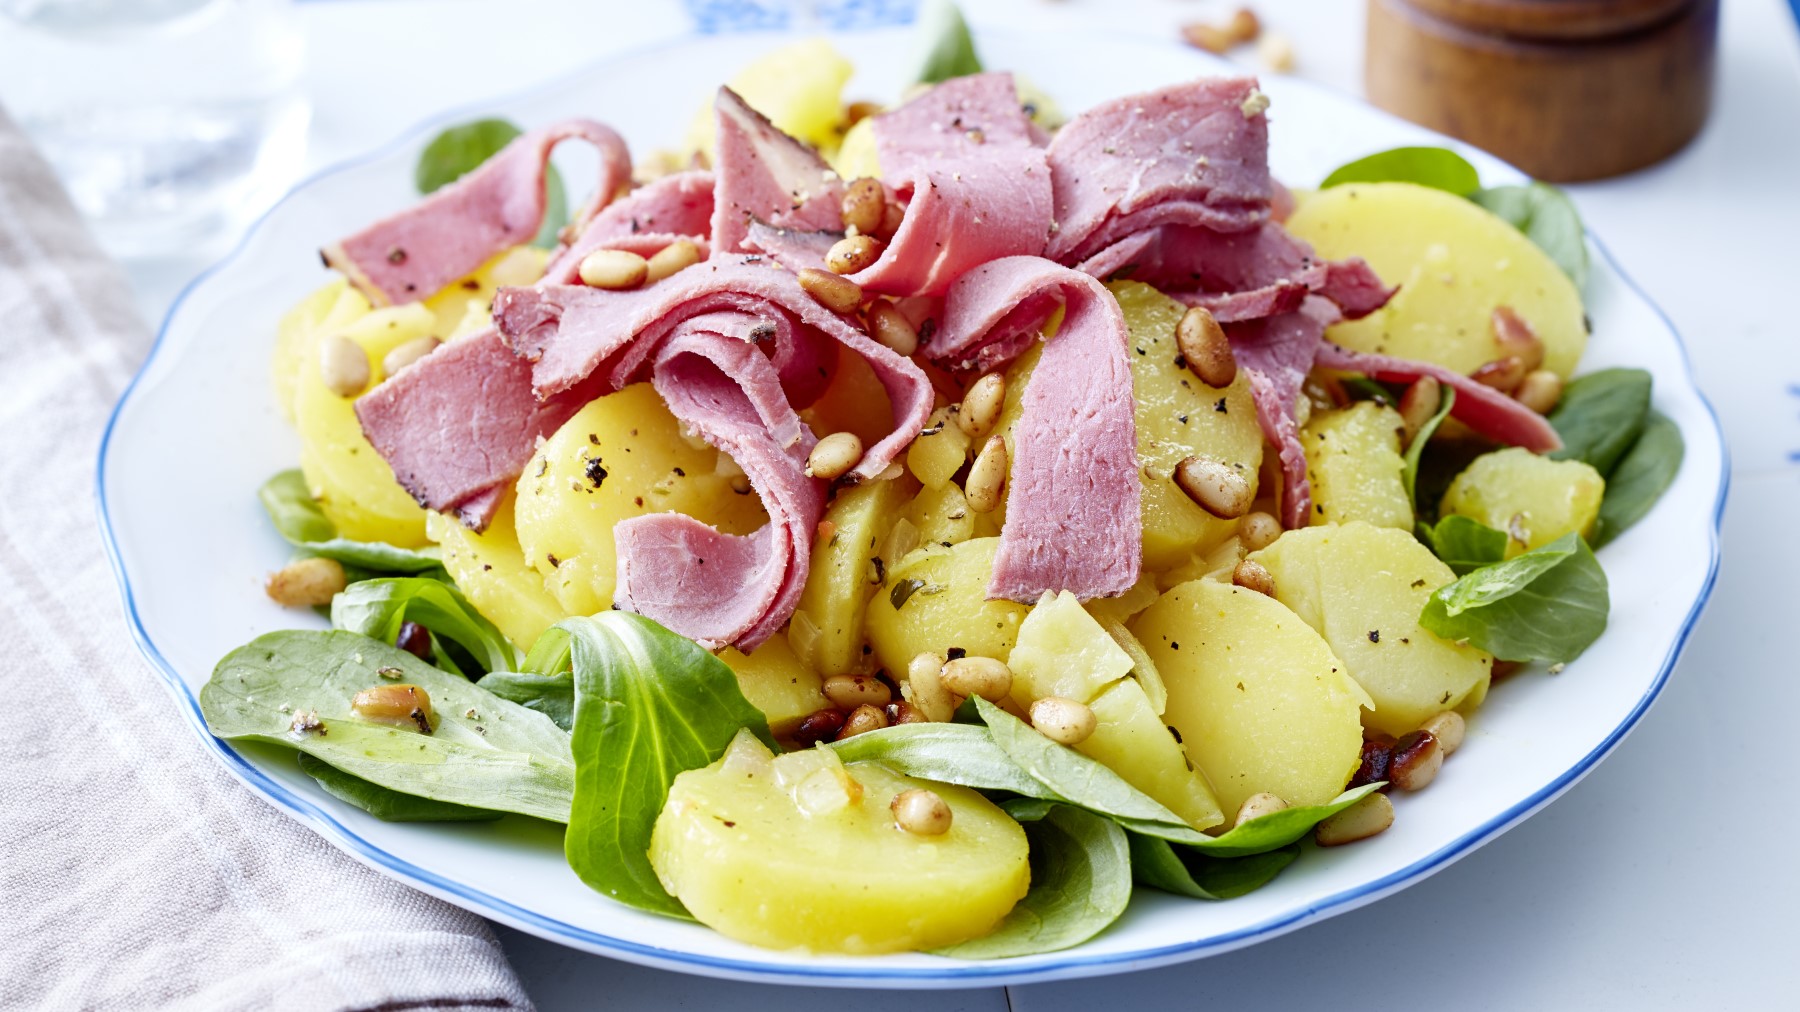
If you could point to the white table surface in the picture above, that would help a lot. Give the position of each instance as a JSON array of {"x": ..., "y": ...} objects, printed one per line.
[{"x": 1665, "y": 879}]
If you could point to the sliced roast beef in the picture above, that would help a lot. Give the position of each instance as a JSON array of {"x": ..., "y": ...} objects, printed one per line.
[
  {"x": 1277, "y": 352},
  {"x": 1482, "y": 408},
  {"x": 765, "y": 175},
  {"x": 414, "y": 253},
  {"x": 1073, "y": 518},
  {"x": 643, "y": 221}
]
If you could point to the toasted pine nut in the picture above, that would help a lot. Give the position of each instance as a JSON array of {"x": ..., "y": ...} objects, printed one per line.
[
  {"x": 925, "y": 690},
  {"x": 864, "y": 204},
  {"x": 836, "y": 293},
  {"x": 986, "y": 485},
  {"x": 1258, "y": 531},
  {"x": 921, "y": 812},
  {"x": 820, "y": 725},
  {"x": 1372, "y": 815},
  {"x": 408, "y": 353},
  {"x": 852, "y": 691},
  {"x": 1217, "y": 488},
  {"x": 307, "y": 583},
  {"x": 343, "y": 366},
  {"x": 981, "y": 406},
  {"x": 1063, "y": 720},
  {"x": 406, "y": 706},
  {"x": 853, "y": 253},
  {"x": 1244, "y": 25},
  {"x": 1205, "y": 348},
  {"x": 1449, "y": 729},
  {"x": 1253, "y": 575},
  {"x": 614, "y": 269},
  {"x": 1516, "y": 338},
  {"x": 1503, "y": 374},
  {"x": 1211, "y": 38},
  {"x": 1419, "y": 403},
  {"x": 889, "y": 325},
  {"x": 892, "y": 214},
  {"x": 676, "y": 256},
  {"x": 902, "y": 712},
  {"x": 834, "y": 456},
  {"x": 1540, "y": 390},
  {"x": 977, "y": 676},
  {"x": 863, "y": 719},
  {"x": 1258, "y": 805},
  {"x": 1276, "y": 52},
  {"x": 1417, "y": 759}
]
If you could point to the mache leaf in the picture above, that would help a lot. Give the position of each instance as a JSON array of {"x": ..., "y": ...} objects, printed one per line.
[
  {"x": 1463, "y": 543},
  {"x": 1438, "y": 168},
  {"x": 386, "y": 804},
  {"x": 551, "y": 695},
  {"x": 1184, "y": 872},
  {"x": 1548, "y": 218},
  {"x": 458, "y": 150},
  {"x": 963, "y": 754},
  {"x": 1409, "y": 471},
  {"x": 1600, "y": 416},
  {"x": 1640, "y": 478},
  {"x": 949, "y": 48},
  {"x": 484, "y": 752},
  {"x": 298, "y": 518},
  {"x": 378, "y": 608},
  {"x": 1547, "y": 604},
  {"x": 1278, "y": 829}
]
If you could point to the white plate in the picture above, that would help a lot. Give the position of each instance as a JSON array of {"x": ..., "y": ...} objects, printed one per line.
[{"x": 198, "y": 432}]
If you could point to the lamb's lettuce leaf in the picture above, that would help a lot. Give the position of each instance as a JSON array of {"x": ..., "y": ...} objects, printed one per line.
[
  {"x": 1185, "y": 872},
  {"x": 1438, "y": 168},
  {"x": 459, "y": 150},
  {"x": 1640, "y": 478},
  {"x": 1548, "y": 218},
  {"x": 951, "y": 753},
  {"x": 1547, "y": 604},
  {"x": 1409, "y": 471},
  {"x": 551, "y": 695},
  {"x": 378, "y": 608},
  {"x": 1275, "y": 830},
  {"x": 298, "y": 518},
  {"x": 949, "y": 48},
  {"x": 384, "y": 803},
  {"x": 1601, "y": 415},
  {"x": 1465, "y": 544}
]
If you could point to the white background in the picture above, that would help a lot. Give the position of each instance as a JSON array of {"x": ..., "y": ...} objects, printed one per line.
[{"x": 1664, "y": 880}]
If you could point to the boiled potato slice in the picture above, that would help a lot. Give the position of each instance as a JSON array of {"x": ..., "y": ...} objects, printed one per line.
[
  {"x": 1362, "y": 588},
  {"x": 452, "y": 306},
  {"x": 847, "y": 567},
  {"x": 1455, "y": 263},
  {"x": 801, "y": 852},
  {"x": 1534, "y": 499},
  {"x": 857, "y": 156},
  {"x": 1132, "y": 740},
  {"x": 1260, "y": 701},
  {"x": 939, "y": 451},
  {"x": 935, "y": 600},
  {"x": 1063, "y": 651},
  {"x": 942, "y": 516},
  {"x": 775, "y": 682},
  {"x": 1353, "y": 462},
  {"x": 492, "y": 573},
  {"x": 326, "y": 311},
  {"x": 1119, "y": 609},
  {"x": 854, "y": 402},
  {"x": 621, "y": 456},
  {"x": 799, "y": 87}
]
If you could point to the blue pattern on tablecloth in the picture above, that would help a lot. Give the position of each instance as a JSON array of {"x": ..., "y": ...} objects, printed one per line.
[{"x": 713, "y": 17}]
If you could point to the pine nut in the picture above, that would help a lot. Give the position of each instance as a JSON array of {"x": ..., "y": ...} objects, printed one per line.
[
  {"x": 1211, "y": 38},
  {"x": 892, "y": 215},
  {"x": 343, "y": 366},
  {"x": 408, "y": 353},
  {"x": 676, "y": 256},
  {"x": 1419, "y": 403},
  {"x": 925, "y": 690},
  {"x": 838, "y": 294},
  {"x": 890, "y": 326},
  {"x": 853, "y": 253},
  {"x": 1417, "y": 759},
  {"x": 865, "y": 202},
  {"x": 981, "y": 406},
  {"x": 1252, "y": 575},
  {"x": 407, "y": 706},
  {"x": 1503, "y": 374},
  {"x": 921, "y": 812},
  {"x": 834, "y": 456},
  {"x": 1540, "y": 390},
  {"x": 307, "y": 583},
  {"x": 1205, "y": 348},
  {"x": 902, "y": 712},
  {"x": 1217, "y": 488},
  {"x": 821, "y": 725},
  {"x": 1063, "y": 720},
  {"x": 852, "y": 691},
  {"x": 1516, "y": 338},
  {"x": 1258, "y": 531},
  {"x": 1368, "y": 817},
  {"x": 1449, "y": 729},
  {"x": 978, "y": 676},
  {"x": 985, "y": 488},
  {"x": 1276, "y": 52},
  {"x": 1258, "y": 805},
  {"x": 862, "y": 720},
  {"x": 614, "y": 269},
  {"x": 1244, "y": 25}
]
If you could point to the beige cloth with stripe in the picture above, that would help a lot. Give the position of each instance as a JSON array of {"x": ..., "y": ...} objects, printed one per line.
[{"x": 134, "y": 871}]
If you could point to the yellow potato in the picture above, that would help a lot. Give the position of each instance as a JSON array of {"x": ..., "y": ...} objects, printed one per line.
[
  {"x": 799, "y": 87},
  {"x": 802, "y": 852},
  {"x": 1353, "y": 462},
  {"x": 854, "y": 402},
  {"x": 1063, "y": 651},
  {"x": 1259, "y": 700},
  {"x": 1455, "y": 264},
  {"x": 1533, "y": 499},
  {"x": 1132, "y": 740},
  {"x": 452, "y": 306},
  {"x": 775, "y": 682},
  {"x": 621, "y": 456},
  {"x": 942, "y": 516},
  {"x": 1362, "y": 588},
  {"x": 942, "y": 603},
  {"x": 492, "y": 573},
  {"x": 326, "y": 311},
  {"x": 940, "y": 450},
  {"x": 847, "y": 567}
]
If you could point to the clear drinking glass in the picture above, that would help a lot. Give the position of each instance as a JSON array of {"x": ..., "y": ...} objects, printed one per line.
[{"x": 168, "y": 120}]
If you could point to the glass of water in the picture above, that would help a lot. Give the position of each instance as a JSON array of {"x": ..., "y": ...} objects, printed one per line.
[{"x": 169, "y": 121}]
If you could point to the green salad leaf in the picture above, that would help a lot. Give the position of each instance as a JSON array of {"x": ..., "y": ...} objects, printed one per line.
[
  {"x": 1547, "y": 604},
  {"x": 551, "y": 695},
  {"x": 458, "y": 150},
  {"x": 1409, "y": 471},
  {"x": 1548, "y": 218},
  {"x": 298, "y": 518},
  {"x": 385, "y": 804},
  {"x": 1463, "y": 543},
  {"x": 963, "y": 754},
  {"x": 1080, "y": 884},
  {"x": 1438, "y": 168},
  {"x": 949, "y": 48},
  {"x": 294, "y": 688},
  {"x": 1601, "y": 415},
  {"x": 378, "y": 608},
  {"x": 1641, "y": 477},
  {"x": 1278, "y": 829},
  {"x": 1185, "y": 872},
  {"x": 649, "y": 705}
]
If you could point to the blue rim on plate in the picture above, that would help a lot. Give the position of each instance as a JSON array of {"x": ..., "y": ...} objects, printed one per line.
[{"x": 957, "y": 975}]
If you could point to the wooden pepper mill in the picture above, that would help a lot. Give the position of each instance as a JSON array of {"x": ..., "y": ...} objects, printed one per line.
[{"x": 1565, "y": 89}]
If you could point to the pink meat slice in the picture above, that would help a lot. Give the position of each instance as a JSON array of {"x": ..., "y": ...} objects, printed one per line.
[
  {"x": 1184, "y": 155},
  {"x": 452, "y": 232},
  {"x": 678, "y": 206},
  {"x": 1073, "y": 518},
  {"x": 765, "y": 175},
  {"x": 1482, "y": 408},
  {"x": 1277, "y": 352}
]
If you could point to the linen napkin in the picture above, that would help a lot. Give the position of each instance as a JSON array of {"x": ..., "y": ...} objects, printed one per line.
[{"x": 134, "y": 871}]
